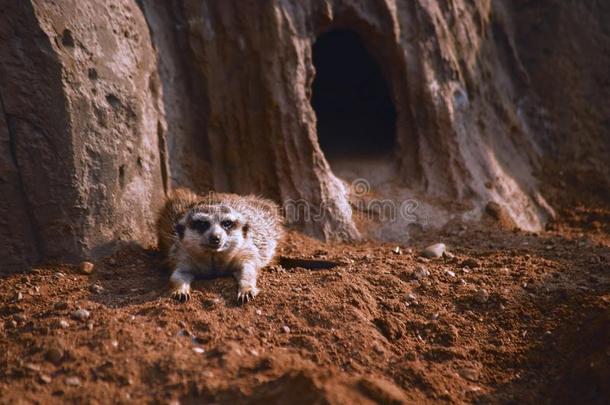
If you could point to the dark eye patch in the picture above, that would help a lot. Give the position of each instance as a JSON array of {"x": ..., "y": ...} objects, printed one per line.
[
  {"x": 227, "y": 224},
  {"x": 200, "y": 225},
  {"x": 180, "y": 230}
]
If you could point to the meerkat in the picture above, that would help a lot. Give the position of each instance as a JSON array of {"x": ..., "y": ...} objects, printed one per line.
[{"x": 217, "y": 235}]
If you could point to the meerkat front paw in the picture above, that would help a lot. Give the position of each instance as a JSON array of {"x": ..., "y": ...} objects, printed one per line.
[
  {"x": 246, "y": 293},
  {"x": 182, "y": 294}
]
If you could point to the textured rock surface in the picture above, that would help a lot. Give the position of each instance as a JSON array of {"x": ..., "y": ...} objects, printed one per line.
[
  {"x": 80, "y": 101},
  {"x": 105, "y": 105}
]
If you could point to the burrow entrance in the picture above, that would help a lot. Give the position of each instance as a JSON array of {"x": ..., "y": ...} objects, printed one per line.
[{"x": 355, "y": 113}]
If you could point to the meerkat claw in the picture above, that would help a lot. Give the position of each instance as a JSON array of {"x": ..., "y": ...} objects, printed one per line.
[
  {"x": 181, "y": 296},
  {"x": 245, "y": 296},
  {"x": 242, "y": 298}
]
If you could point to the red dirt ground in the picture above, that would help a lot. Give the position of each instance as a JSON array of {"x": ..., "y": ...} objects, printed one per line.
[{"x": 367, "y": 331}]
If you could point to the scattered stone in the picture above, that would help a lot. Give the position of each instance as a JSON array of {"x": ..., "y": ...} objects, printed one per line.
[
  {"x": 434, "y": 251},
  {"x": 421, "y": 272},
  {"x": 32, "y": 366},
  {"x": 45, "y": 378},
  {"x": 259, "y": 312},
  {"x": 86, "y": 267},
  {"x": 450, "y": 273},
  {"x": 55, "y": 355},
  {"x": 96, "y": 289},
  {"x": 411, "y": 297},
  {"x": 378, "y": 348},
  {"x": 19, "y": 317},
  {"x": 397, "y": 250},
  {"x": 73, "y": 381},
  {"x": 199, "y": 350},
  {"x": 62, "y": 323},
  {"x": 285, "y": 329},
  {"x": 469, "y": 373},
  {"x": 81, "y": 314},
  {"x": 481, "y": 296},
  {"x": 90, "y": 325},
  {"x": 448, "y": 255},
  {"x": 19, "y": 296},
  {"x": 470, "y": 262},
  {"x": 184, "y": 332}
]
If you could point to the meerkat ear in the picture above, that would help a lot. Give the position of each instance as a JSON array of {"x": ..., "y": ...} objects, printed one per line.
[
  {"x": 245, "y": 229},
  {"x": 180, "y": 230}
]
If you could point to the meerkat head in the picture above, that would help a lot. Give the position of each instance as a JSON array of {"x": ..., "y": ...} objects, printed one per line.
[{"x": 212, "y": 228}]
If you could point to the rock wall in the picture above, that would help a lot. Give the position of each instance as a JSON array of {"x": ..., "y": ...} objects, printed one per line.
[
  {"x": 80, "y": 126},
  {"x": 106, "y": 105}
]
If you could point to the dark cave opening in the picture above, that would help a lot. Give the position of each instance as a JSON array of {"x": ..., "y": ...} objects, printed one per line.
[{"x": 354, "y": 109}]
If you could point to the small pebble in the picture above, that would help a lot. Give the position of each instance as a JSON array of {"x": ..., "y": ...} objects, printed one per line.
[
  {"x": 63, "y": 324},
  {"x": 259, "y": 312},
  {"x": 61, "y": 305},
  {"x": 450, "y": 273},
  {"x": 96, "y": 289},
  {"x": 81, "y": 314},
  {"x": 112, "y": 261},
  {"x": 285, "y": 329},
  {"x": 45, "y": 378},
  {"x": 469, "y": 374},
  {"x": 54, "y": 355},
  {"x": 397, "y": 250},
  {"x": 481, "y": 296},
  {"x": 19, "y": 296},
  {"x": 32, "y": 366},
  {"x": 421, "y": 272},
  {"x": 19, "y": 317},
  {"x": 434, "y": 251},
  {"x": 86, "y": 267},
  {"x": 448, "y": 255},
  {"x": 199, "y": 350},
  {"x": 73, "y": 381},
  {"x": 470, "y": 262}
]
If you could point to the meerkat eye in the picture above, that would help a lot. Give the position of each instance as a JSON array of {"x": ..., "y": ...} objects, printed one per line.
[
  {"x": 200, "y": 225},
  {"x": 227, "y": 224}
]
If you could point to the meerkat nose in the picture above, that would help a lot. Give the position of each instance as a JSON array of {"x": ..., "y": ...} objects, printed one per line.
[{"x": 215, "y": 240}]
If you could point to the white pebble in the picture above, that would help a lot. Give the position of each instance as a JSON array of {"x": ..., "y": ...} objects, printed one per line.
[
  {"x": 434, "y": 251},
  {"x": 421, "y": 272},
  {"x": 199, "y": 350},
  {"x": 81, "y": 314},
  {"x": 74, "y": 381},
  {"x": 285, "y": 329},
  {"x": 450, "y": 273}
]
